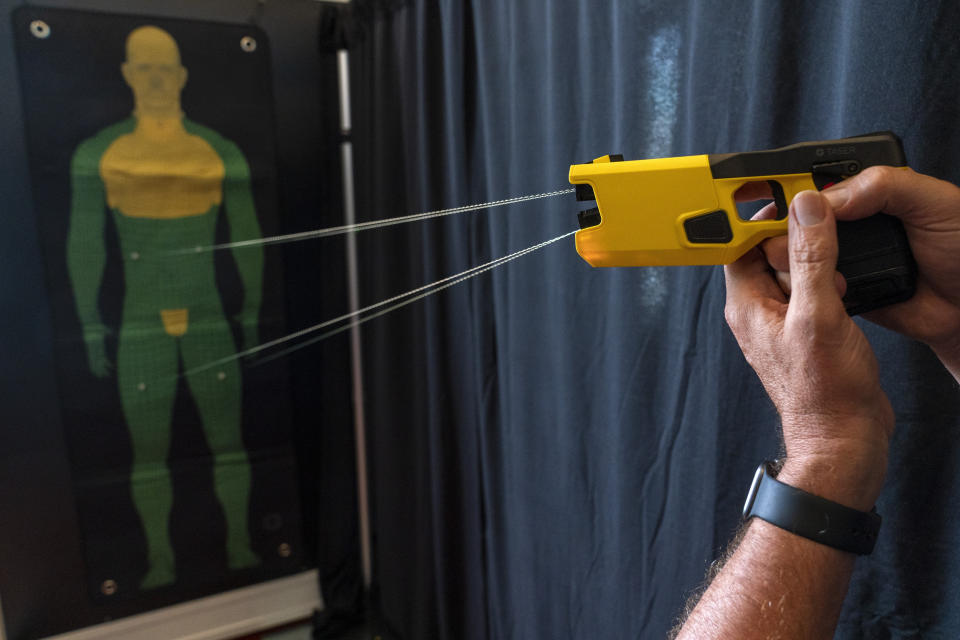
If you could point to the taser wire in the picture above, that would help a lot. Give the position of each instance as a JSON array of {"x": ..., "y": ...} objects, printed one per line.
[
  {"x": 374, "y": 224},
  {"x": 354, "y": 319}
]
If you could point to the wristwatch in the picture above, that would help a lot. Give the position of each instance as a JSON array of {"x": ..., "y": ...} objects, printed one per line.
[{"x": 810, "y": 516}]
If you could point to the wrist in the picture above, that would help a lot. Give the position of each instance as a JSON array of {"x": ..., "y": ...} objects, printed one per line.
[
  {"x": 853, "y": 480},
  {"x": 840, "y": 457}
]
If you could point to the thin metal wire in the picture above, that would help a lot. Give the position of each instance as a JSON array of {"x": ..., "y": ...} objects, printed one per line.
[
  {"x": 364, "y": 226},
  {"x": 418, "y": 293},
  {"x": 357, "y": 322}
]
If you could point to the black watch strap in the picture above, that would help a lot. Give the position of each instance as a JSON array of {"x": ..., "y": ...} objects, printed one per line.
[{"x": 810, "y": 516}]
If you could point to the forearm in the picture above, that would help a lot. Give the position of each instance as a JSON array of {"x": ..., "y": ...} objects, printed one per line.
[
  {"x": 776, "y": 585},
  {"x": 781, "y": 585},
  {"x": 821, "y": 373}
]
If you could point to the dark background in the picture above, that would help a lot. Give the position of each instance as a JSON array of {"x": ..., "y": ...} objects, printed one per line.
[{"x": 68, "y": 522}]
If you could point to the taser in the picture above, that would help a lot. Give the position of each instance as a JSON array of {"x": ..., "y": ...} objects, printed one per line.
[{"x": 682, "y": 211}]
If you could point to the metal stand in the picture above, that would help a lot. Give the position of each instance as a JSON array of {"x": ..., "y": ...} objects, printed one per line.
[{"x": 356, "y": 354}]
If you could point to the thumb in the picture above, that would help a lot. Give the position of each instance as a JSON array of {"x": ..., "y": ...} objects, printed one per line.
[{"x": 813, "y": 253}]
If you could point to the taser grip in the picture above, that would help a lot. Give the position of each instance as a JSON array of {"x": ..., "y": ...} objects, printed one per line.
[{"x": 682, "y": 211}]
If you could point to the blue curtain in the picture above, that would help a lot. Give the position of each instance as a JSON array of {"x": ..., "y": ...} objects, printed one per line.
[{"x": 560, "y": 451}]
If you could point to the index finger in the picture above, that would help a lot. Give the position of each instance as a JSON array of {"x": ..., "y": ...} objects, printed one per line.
[
  {"x": 913, "y": 197},
  {"x": 750, "y": 279}
]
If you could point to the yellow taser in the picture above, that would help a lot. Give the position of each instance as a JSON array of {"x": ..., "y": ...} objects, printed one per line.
[{"x": 682, "y": 211}]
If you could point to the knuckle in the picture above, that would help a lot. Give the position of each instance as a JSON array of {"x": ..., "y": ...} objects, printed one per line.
[
  {"x": 878, "y": 184},
  {"x": 733, "y": 314},
  {"x": 744, "y": 322},
  {"x": 877, "y": 176},
  {"x": 801, "y": 328},
  {"x": 813, "y": 330},
  {"x": 812, "y": 250}
]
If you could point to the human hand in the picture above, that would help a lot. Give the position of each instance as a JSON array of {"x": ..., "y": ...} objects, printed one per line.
[
  {"x": 94, "y": 338},
  {"x": 814, "y": 362},
  {"x": 930, "y": 211}
]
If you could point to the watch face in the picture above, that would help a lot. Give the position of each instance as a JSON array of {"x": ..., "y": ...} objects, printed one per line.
[{"x": 754, "y": 486}]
